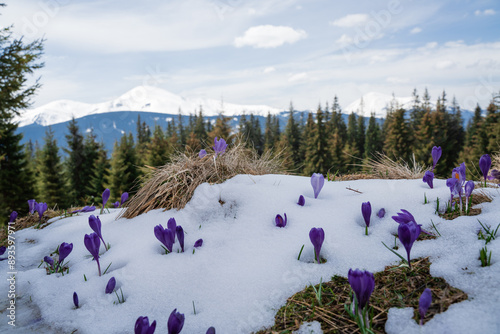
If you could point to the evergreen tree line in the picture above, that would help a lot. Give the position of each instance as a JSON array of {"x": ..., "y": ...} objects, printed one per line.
[{"x": 320, "y": 142}]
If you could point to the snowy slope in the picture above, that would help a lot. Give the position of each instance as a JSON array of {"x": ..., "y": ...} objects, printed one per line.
[
  {"x": 142, "y": 98},
  {"x": 248, "y": 267},
  {"x": 377, "y": 103}
]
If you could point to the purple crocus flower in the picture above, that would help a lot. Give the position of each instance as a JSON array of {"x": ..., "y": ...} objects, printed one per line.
[
  {"x": 280, "y": 222},
  {"x": 85, "y": 209},
  {"x": 110, "y": 287},
  {"x": 95, "y": 225},
  {"x": 211, "y": 330},
  {"x": 49, "y": 260},
  {"x": 381, "y": 213},
  {"x": 40, "y": 208},
  {"x": 13, "y": 216},
  {"x": 429, "y": 178},
  {"x": 116, "y": 204},
  {"x": 124, "y": 198},
  {"x": 198, "y": 243},
  {"x": 92, "y": 242},
  {"x": 424, "y": 303},
  {"x": 362, "y": 283},
  {"x": 105, "y": 196},
  {"x": 175, "y": 322},
  {"x": 484, "y": 166},
  {"x": 469, "y": 187},
  {"x": 180, "y": 236},
  {"x": 436, "y": 154},
  {"x": 301, "y": 201},
  {"x": 2, "y": 250},
  {"x": 317, "y": 182},
  {"x": 317, "y": 236},
  {"x": 404, "y": 217},
  {"x": 31, "y": 205},
  {"x": 165, "y": 236},
  {"x": 75, "y": 299},
  {"x": 366, "y": 211},
  {"x": 64, "y": 250},
  {"x": 202, "y": 154},
  {"x": 219, "y": 146},
  {"x": 495, "y": 174},
  {"x": 407, "y": 234},
  {"x": 142, "y": 326}
]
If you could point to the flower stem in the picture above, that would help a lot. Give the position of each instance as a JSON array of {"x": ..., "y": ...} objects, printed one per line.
[{"x": 366, "y": 230}]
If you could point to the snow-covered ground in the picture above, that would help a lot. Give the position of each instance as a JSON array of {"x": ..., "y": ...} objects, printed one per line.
[{"x": 248, "y": 267}]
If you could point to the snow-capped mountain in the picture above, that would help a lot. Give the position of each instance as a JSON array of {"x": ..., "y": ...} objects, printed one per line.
[
  {"x": 377, "y": 103},
  {"x": 142, "y": 98}
]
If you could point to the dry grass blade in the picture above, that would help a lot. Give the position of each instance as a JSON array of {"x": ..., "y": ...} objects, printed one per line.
[
  {"x": 384, "y": 167},
  {"x": 173, "y": 185}
]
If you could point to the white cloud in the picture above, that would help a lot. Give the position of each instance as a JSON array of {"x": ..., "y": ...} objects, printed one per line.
[
  {"x": 269, "y": 69},
  {"x": 345, "y": 40},
  {"x": 416, "y": 30},
  {"x": 269, "y": 36},
  {"x": 444, "y": 64},
  {"x": 397, "y": 80},
  {"x": 485, "y": 12},
  {"x": 351, "y": 20},
  {"x": 454, "y": 44},
  {"x": 298, "y": 77}
]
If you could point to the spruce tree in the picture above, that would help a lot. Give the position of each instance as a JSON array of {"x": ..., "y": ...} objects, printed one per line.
[
  {"x": 124, "y": 171},
  {"x": 99, "y": 178},
  {"x": 74, "y": 164},
  {"x": 200, "y": 129},
  {"x": 360, "y": 139},
  {"x": 337, "y": 138},
  {"x": 351, "y": 152},
  {"x": 53, "y": 189},
  {"x": 373, "y": 143},
  {"x": 317, "y": 155},
  {"x": 159, "y": 149},
  {"x": 398, "y": 139},
  {"x": 290, "y": 142}
]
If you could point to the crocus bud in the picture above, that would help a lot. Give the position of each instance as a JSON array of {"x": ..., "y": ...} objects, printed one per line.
[
  {"x": 49, "y": 260},
  {"x": 75, "y": 299},
  {"x": 424, "y": 303},
  {"x": 105, "y": 196},
  {"x": 142, "y": 326},
  {"x": 202, "y": 154},
  {"x": 110, "y": 287},
  {"x": 381, "y": 213},
  {"x": 116, "y": 204},
  {"x": 13, "y": 216},
  {"x": 31, "y": 204},
  {"x": 362, "y": 283},
  {"x": 366, "y": 210},
  {"x": 180, "y": 236},
  {"x": 198, "y": 243},
  {"x": 301, "y": 201},
  {"x": 429, "y": 178},
  {"x": 124, "y": 198},
  {"x": 317, "y": 236},
  {"x": 280, "y": 222},
  {"x": 175, "y": 322},
  {"x": 317, "y": 182},
  {"x": 484, "y": 165},
  {"x": 211, "y": 330},
  {"x": 436, "y": 154},
  {"x": 64, "y": 250}
]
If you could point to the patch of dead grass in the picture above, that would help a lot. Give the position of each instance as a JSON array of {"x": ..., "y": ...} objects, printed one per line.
[{"x": 383, "y": 167}]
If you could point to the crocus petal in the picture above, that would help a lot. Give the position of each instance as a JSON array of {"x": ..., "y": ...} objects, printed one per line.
[
  {"x": 64, "y": 250},
  {"x": 429, "y": 178},
  {"x": 169, "y": 236},
  {"x": 366, "y": 210},
  {"x": 124, "y": 198},
  {"x": 403, "y": 217},
  {"x": 198, "y": 243},
  {"x": 180, "y": 236},
  {"x": 301, "y": 201},
  {"x": 110, "y": 287},
  {"x": 31, "y": 205},
  {"x": 13, "y": 216},
  {"x": 171, "y": 224},
  {"x": 75, "y": 299},
  {"x": 317, "y": 182},
  {"x": 317, "y": 236},
  {"x": 469, "y": 187},
  {"x": 175, "y": 322},
  {"x": 485, "y": 164},
  {"x": 105, "y": 196},
  {"x": 424, "y": 302},
  {"x": 158, "y": 229}
]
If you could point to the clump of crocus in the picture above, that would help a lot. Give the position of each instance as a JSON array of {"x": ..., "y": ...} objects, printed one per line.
[
  {"x": 366, "y": 211},
  {"x": 105, "y": 197},
  {"x": 142, "y": 326},
  {"x": 166, "y": 236},
  {"x": 110, "y": 287},
  {"x": 381, "y": 213},
  {"x": 436, "y": 154},
  {"x": 484, "y": 166},
  {"x": 202, "y": 153},
  {"x": 363, "y": 284},
  {"x": 175, "y": 322},
  {"x": 13, "y": 216},
  {"x": 301, "y": 201},
  {"x": 75, "y": 300},
  {"x": 317, "y": 182},
  {"x": 317, "y": 236},
  {"x": 280, "y": 222},
  {"x": 219, "y": 146},
  {"x": 123, "y": 198},
  {"x": 40, "y": 208},
  {"x": 429, "y": 178},
  {"x": 95, "y": 225},
  {"x": 456, "y": 182},
  {"x": 424, "y": 303},
  {"x": 92, "y": 242},
  {"x": 469, "y": 187},
  {"x": 31, "y": 205}
]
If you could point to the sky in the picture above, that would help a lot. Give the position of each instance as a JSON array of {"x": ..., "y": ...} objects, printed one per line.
[{"x": 263, "y": 51}]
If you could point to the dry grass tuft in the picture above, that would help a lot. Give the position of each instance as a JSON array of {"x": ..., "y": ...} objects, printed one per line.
[
  {"x": 394, "y": 287},
  {"x": 173, "y": 185},
  {"x": 383, "y": 167}
]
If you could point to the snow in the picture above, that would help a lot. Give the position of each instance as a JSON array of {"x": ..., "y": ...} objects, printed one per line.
[
  {"x": 377, "y": 103},
  {"x": 141, "y": 98},
  {"x": 248, "y": 267}
]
